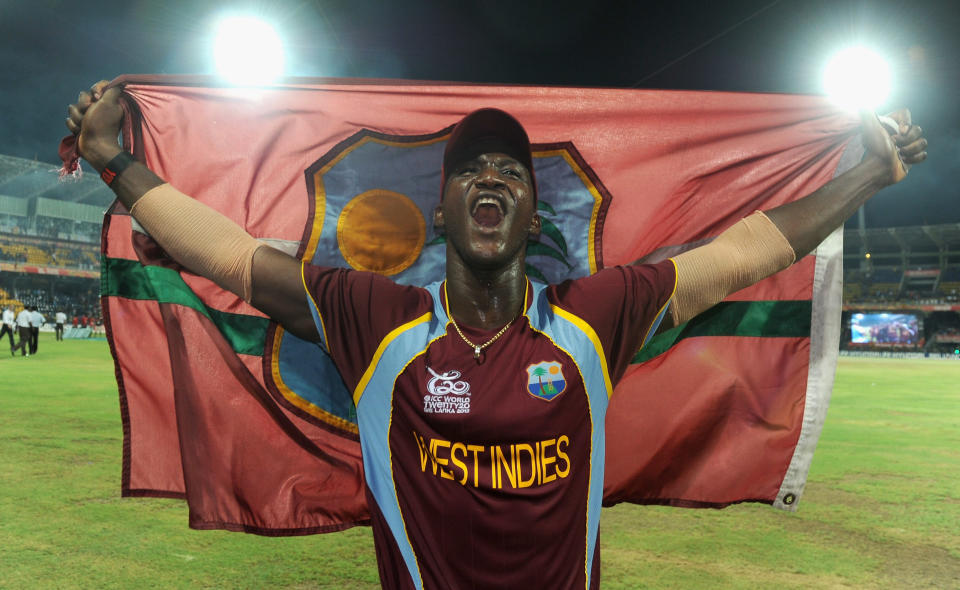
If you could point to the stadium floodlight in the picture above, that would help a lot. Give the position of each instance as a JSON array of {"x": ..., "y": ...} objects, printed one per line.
[
  {"x": 247, "y": 51},
  {"x": 857, "y": 78}
]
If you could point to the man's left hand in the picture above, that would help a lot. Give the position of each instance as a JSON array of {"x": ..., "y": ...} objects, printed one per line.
[{"x": 897, "y": 151}]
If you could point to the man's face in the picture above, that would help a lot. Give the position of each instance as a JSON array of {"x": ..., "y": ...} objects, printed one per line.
[{"x": 488, "y": 210}]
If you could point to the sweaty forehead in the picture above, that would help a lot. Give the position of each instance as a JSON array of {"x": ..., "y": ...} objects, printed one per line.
[
  {"x": 487, "y": 145},
  {"x": 496, "y": 158}
]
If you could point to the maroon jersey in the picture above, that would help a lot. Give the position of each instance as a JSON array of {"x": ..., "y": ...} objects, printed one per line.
[{"x": 485, "y": 474}]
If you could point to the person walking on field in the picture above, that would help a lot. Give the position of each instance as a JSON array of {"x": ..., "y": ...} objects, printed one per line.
[
  {"x": 60, "y": 318},
  {"x": 36, "y": 321},
  {"x": 23, "y": 332},
  {"x": 8, "y": 326},
  {"x": 442, "y": 373}
]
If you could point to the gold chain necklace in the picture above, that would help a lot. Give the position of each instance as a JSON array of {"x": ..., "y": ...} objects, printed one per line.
[{"x": 477, "y": 348}]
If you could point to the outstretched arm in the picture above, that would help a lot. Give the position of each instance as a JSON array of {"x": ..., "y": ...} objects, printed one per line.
[
  {"x": 808, "y": 221},
  {"x": 269, "y": 278},
  {"x": 765, "y": 243}
]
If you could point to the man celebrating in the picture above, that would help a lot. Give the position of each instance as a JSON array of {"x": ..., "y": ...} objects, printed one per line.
[{"x": 481, "y": 399}]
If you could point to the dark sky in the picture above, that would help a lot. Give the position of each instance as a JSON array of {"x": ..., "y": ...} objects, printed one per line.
[{"x": 51, "y": 50}]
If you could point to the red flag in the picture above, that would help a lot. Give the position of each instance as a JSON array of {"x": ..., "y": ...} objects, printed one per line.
[{"x": 252, "y": 426}]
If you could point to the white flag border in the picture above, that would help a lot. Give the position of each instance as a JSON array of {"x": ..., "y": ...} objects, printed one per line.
[{"x": 824, "y": 349}]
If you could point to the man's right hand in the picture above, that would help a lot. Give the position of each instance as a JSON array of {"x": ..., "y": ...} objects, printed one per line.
[
  {"x": 277, "y": 286},
  {"x": 95, "y": 119}
]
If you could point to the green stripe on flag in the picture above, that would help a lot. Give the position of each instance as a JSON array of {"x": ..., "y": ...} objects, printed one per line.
[
  {"x": 247, "y": 334},
  {"x": 762, "y": 319},
  {"x": 130, "y": 279}
]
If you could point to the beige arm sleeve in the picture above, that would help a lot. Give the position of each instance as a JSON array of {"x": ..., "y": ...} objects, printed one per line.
[
  {"x": 198, "y": 237},
  {"x": 751, "y": 250}
]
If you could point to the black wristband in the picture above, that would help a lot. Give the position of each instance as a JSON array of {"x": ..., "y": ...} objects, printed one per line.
[{"x": 114, "y": 167}]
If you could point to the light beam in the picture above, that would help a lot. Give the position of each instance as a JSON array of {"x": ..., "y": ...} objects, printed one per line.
[
  {"x": 857, "y": 78},
  {"x": 247, "y": 51}
]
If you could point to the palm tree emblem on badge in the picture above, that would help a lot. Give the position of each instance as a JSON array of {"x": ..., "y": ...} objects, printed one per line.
[{"x": 545, "y": 380}]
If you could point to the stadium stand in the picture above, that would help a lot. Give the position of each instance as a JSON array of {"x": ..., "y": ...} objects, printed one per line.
[
  {"x": 949, "y": 285},
  {"x": 45, "y": 252},
  {"x": 49, "y": 239},
  {"x": 8, "y": 300},
  {"x": 890, "y": 264},
  {"x": 904, "y": 272}
]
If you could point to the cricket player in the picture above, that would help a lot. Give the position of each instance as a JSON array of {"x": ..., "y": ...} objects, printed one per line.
[{"x": 481, "y": 399}]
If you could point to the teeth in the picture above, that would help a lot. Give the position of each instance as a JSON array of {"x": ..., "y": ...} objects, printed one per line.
[{"x": 488, "y": 201}]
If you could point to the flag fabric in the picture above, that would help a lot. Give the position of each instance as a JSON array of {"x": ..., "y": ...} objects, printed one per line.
[{"x": 254, "y": 427}]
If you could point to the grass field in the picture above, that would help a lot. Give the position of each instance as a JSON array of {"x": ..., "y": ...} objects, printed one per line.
[{"x": 881, "y": 509}]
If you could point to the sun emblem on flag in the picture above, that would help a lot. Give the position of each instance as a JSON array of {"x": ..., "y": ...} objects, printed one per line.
[{"x": 545, "y": 380}]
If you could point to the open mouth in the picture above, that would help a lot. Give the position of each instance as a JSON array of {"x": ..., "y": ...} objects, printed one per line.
[{"x": 487, "y": 211}]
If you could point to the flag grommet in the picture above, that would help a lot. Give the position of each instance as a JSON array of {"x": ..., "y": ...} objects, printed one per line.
[{"x": 789, "y": 499}]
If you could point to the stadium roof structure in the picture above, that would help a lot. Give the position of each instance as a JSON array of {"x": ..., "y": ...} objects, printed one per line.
[
  {"x": 930, "y": 246},
  {"x": 22, "y": 178}
]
